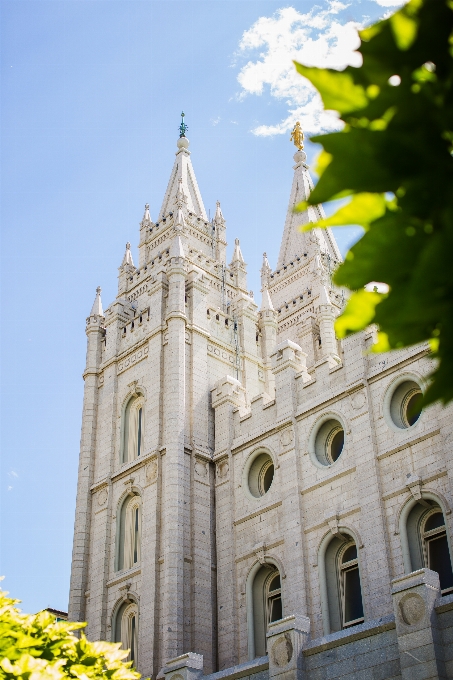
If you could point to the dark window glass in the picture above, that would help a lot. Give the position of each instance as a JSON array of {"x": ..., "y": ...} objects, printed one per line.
[
  {"x": 336, "y": 447},
  {"x": 414, "y": 408},
  {"x": 353, "y": 607},
  {"x": 439, "y": 559},
  {"x": 136, "y": 536},
  {"x": 276, "y": 612},
  {"x": 139, "y": 436},
  {"x": 268, "y": 477},
  {"x": 133, "y": 639},
  {"x": 350, "y": 554},
  {"x": 275, "y": 583},
  {"x": 434, "y": 521}
]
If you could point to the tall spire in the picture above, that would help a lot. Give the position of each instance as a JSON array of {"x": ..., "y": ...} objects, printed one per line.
[
  {"x": 295, "y": 242},
  {"x": 146, "y": 216},
  {"x": 182, "y": 179},
  {"x": 96, "y": 309},
  {"x": 127, "y": 259}
]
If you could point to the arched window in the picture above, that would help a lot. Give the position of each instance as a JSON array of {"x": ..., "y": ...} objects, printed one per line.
[
  {"x": 133, "y": 428},
  {"x": 342, "y": 585},
  {"x": 126, "y": 629},
  {"x": 266, "y": 603},
  {"x": 428, "y": 542},
  {"x": 129, "y": 533}
]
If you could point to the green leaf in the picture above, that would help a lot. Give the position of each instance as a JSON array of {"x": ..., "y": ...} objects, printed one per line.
[
  {"x": 337, "y": 88},
  {"x": 359, "y": 312},
  {"x": 362, "y": 209}
]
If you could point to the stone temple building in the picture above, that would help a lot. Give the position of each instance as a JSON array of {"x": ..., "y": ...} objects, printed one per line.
[{"x": 257, "y": 499}]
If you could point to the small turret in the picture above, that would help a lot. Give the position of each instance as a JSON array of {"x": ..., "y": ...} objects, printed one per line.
[
  {"x": 127, "y": 259},
  {"x": 265, "y": 272},
  {"x": 96, "y": 309},
  {"x": 238, "y": 267},
  {"x": 219, "y": 233},
  {"x": 126, "y": 269}
]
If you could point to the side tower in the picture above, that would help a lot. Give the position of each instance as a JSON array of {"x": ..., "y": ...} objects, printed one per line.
[{"x": 144, "y": 558}]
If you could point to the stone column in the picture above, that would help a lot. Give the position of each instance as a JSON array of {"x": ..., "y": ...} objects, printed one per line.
[
  {"x": 419, "y": 639},
  {"x": 174, "y": 477},
  {"x": 285, "y": 642},
  {"x": 268, "y": 325},
  {"x": 227, "y": 395},
  {"x": 81, "y": 546}
]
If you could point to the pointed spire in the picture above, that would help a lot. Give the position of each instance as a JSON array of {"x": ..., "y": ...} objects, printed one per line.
[
  {"x": 237, "y": 255},
  {"x": 183, "y": 170},
  {"x": 96, "y": 309},
  {"x": 127, "y": 259},
  {"x": 218, "y": 217},
  {"x": 176, "y": 248},
  {"x": 266, "y": 302},
  {"x": 294, "y": 241}
]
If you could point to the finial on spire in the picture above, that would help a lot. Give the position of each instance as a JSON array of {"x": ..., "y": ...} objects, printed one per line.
[
  {"x": 297, "y": 136},
  {"x": 127, "y": 259},
  {"x": 183, "y": 127},
  {"x": 97, "y": 310}
]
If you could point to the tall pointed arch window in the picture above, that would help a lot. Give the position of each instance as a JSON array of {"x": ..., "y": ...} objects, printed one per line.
[
  {"x": 428, "y": 543},
  {"x": 266, "y": 605},
  {"x": 133, "y": 429},
  {"x": 129, "y": 534},
  {"x": 341, "y": 583},
  {"x": 126, "y": 630}
]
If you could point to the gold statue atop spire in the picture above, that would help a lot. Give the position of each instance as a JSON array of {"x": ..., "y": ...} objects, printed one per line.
[{"x": 297, "y": 136}]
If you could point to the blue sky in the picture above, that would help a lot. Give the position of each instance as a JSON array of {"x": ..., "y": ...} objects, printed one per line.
[{"x": 92, "y": 92}]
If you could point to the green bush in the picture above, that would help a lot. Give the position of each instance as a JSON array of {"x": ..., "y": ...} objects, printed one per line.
[{"x": 37, "y": 647}]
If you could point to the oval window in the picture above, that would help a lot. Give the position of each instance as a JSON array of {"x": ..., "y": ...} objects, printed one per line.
[
  {"x": 406, "y": 404},
  {"x": 261, "y": 475},
  {"x": 329, "y": 442}
]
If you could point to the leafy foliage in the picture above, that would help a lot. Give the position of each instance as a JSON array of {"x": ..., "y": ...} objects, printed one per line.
[
  {"x": 37, "y": 647},
  {"x": 394, "y": 157}
]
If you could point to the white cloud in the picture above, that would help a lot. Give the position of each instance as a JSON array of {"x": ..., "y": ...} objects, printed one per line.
[
  {"x": 215, "y": 121},
  {"x": 317, "y": 38}
]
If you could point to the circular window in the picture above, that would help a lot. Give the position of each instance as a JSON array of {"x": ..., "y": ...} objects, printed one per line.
[
  {"x": 260, "y": 475},
  {"x": 406, "y": 404},
  {"x": 329, "y": 441}
]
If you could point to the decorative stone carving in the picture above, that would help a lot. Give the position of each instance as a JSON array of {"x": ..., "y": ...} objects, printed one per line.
[
  {"x": 412, "y": 609},
  {"x": 286, "y": 436},
  {"x": 151, "y": 471},
  {"x": 222, "y": 469},
  {"x": 102, "y": 496},
  {"x": 282, "y": 650},
  {"x": 358, "y": 400},
  {"x": 201, "y": 468}
]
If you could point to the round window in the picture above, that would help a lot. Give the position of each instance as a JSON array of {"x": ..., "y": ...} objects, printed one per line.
[
  {"x": 406, "y": 404},
  {"x": 329, "y": 442},
  {"x": 261, "y": 475}
]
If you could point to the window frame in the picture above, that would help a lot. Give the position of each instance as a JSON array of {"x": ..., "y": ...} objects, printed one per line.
[
  {"x": 426, "y": 536},
  {"x": 342, "y": 569}
]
